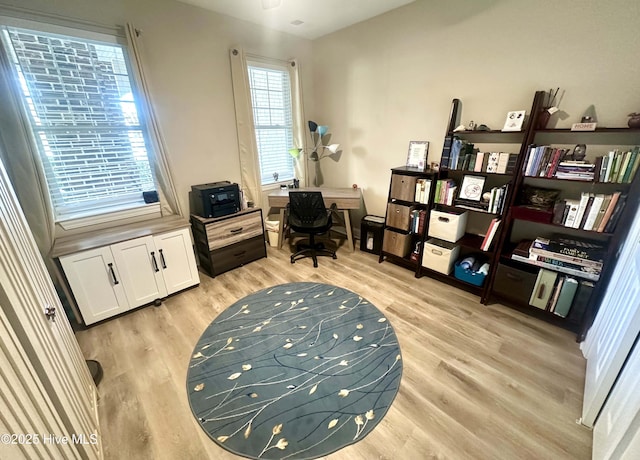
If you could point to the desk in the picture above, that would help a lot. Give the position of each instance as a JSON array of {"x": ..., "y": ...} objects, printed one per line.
[{"x": 344, "y": 198}]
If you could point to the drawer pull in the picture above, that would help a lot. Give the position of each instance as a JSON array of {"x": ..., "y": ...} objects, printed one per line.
[
  {"x": 240, "y": 254},
  {"x": 443, "y": 219},
  {"x": 155, "y": 262},
  {"x": 236, "y": 230},
  {"x": 164, "y": 263},
  {"x": 541, "y": 291},
  {"x": 113, "y": 274},
  {"x": 436, "y": 252}
]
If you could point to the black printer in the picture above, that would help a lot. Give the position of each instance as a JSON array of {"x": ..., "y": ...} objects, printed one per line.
[{"x": 215, "y": 199}]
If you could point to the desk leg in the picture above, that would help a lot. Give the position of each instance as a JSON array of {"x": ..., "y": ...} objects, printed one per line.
[
  {"x": 281, "y": 229},
  {"x": 347, "y": 223}
]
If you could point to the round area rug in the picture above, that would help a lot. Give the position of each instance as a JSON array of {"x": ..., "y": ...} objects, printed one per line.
[{"x": 295, "y": 371}]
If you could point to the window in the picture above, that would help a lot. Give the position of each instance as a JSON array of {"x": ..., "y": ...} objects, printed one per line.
[
  {"x": 79, "y": 100},
  {"x": 270, "y": 89}
]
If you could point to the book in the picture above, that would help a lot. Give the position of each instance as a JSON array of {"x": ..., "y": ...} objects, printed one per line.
[
  {"x": 479, "y": 159},
  {"x": 607, "y": 214},
  {"x": 580, "y": 301},
  {"x": 615, "y": 215},
  {"x": 634, "y": 166},
  {"x": 492, "y": 164},
  {"x": 565, "y": 264},
  {"x": 581, "y": 248},
  {"x": 594, "y": 211},
  {"x": 565, "y": 299},
  {"x": 543, "y": 289},
  {"x": 534, "y": 253},
  {"x": 603, "y": 209},
  {"x": 491, "y": 233},
  {"x": 572, "y": 213},
  {"x": 503, "y": 160},
  {"x": 568, "y": 271},
  {"x": 586, "y": 211},
  {"x": 556, "y": 293}
]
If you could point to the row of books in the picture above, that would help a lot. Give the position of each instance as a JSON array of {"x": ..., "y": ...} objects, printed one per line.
[
  {"x": 618, "y": 166},
  {"x": 561, "y": 297},
  {"x": 594, "y": 212},
  {"x": 495, "y": 205},
  {"x": 418, "y": 218},
  {"x": 445, "y": 191},
  {"x": 423, "y": 189},
  {"x": 462, "y": 155}
]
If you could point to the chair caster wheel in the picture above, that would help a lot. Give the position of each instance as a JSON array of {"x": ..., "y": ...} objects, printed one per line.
[
  {"x": 293, "y": 261},
  {"x": 335, "y": 257},
  {"x": 315, "y": 265}
]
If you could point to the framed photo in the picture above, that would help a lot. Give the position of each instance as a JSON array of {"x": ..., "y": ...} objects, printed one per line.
[
  {"x": 417, "y": 155},
  {"x": 472, "y": 187},
  {"x": 514, "y": 120}
]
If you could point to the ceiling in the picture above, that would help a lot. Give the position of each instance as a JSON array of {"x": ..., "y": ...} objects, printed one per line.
[{"x": 311, "y": 18}]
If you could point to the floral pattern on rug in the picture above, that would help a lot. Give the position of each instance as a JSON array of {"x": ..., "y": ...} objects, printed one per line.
[{"x": 294, "y": 371}]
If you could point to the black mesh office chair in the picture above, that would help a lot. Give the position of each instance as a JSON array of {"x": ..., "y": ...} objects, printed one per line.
[{"x": 307, "y": 214}]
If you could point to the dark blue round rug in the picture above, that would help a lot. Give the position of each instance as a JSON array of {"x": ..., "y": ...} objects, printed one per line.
[{"x": 295, "y": 371}]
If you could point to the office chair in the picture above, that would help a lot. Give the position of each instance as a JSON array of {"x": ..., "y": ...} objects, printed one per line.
[{"x": 307, "y": 214}]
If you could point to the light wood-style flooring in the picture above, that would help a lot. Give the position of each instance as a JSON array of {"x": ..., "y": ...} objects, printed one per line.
[{"x": 478, "y": 383}]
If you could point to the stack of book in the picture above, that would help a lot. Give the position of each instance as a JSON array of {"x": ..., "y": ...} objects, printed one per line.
[
  {"x": 445, "y": 191},
  {"x": 618, "y": 166},
  {"x": 578, "y": 257},
  {"x": 423, "y": 189},
  {"x": 594, "y": 212},
  {"x": 575, "y": 170}
]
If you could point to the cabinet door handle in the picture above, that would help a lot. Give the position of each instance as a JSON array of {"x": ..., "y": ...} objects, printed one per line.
[
  {"x": 239, "y": 254},
  {"x": 541, "y": 291},
  {"x": 113, "y": 274},
  {"x": 164, "y": 263},
  {"x": 155, "y": 262},
  {"x": 236, "y": 230}
]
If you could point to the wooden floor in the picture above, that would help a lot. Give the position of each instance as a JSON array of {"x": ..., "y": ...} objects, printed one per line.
[{"x": 478, "y": 382}]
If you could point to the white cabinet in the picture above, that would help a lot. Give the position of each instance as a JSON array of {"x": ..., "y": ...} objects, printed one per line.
[
  {"x": 112, "y": 279},
  {"x": 142, "y": 279},
  {"x": 95, "y": 282},
  {"x": 176, "y": 260}
]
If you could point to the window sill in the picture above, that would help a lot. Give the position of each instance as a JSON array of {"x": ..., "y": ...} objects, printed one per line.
[{"x": 136, "y": 210}]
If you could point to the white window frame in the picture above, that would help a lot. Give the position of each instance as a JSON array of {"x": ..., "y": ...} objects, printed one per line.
[
  {"x": 273, "y": 64},
  {"x": 109, "y": 213}
]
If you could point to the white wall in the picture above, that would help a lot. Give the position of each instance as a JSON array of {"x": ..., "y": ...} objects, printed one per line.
[
  {"x": 391, "y": 79},
  {"x": 186, "y": 52}
]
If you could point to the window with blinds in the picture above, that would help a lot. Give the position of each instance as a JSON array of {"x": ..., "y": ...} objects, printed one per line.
[
  {"x": 80, "y": 104},
  {"x": 273, "y": 120}
]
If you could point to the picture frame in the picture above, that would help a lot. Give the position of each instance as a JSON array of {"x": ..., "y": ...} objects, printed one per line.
[
  {"x": 417, "y": 154},
  {"x": 472, "y": 187},
  {"x": 514, "y": 121}
]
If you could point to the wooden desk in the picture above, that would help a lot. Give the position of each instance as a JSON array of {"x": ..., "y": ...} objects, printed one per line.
[{"x": 344, "y": 198}]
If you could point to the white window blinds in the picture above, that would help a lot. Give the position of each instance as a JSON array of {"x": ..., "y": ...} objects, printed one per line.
[
  {"x": 273, "y": 121},
  {"x": 80, "y": 103}
]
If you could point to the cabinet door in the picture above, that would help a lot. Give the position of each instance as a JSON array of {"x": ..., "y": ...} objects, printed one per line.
[
  {"x": 139, "y": 265},
  {"x": 176, "y": 260},
  {"x": 96, "y": 284}
]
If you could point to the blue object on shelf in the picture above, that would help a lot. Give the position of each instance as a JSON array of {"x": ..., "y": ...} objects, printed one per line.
[{"x": 468, "y": 276}]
